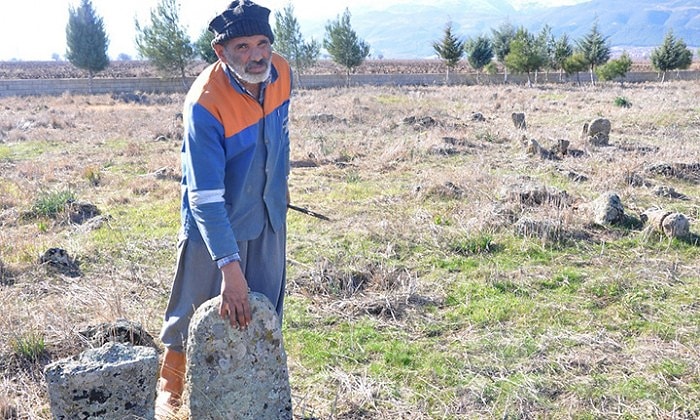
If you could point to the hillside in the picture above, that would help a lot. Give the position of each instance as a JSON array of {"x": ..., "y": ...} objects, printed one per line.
[{"x": 407, "y": 31}]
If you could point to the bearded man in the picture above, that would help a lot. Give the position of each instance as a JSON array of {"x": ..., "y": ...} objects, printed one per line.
[{"x": 235, "y": 166}]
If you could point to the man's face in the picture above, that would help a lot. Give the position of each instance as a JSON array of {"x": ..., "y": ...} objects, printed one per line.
[{"x": 248, "y": 56}]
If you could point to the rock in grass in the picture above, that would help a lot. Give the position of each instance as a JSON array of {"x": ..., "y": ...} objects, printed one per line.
[
  {"x": 608, "y": 209},
  {"x": 115, "y": 381},
  {"x": 597, "y": 132},
  {"x": 671, "y": 224}
]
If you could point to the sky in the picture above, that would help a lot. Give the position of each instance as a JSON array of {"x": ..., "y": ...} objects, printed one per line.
[{"x": 36, "y": 29}]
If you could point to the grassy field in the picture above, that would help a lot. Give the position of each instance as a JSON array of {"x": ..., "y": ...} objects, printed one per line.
[{"x": 460, "y": 276}]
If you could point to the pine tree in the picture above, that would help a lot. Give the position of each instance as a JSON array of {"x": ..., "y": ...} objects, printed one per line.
[
  {"x": 673, "y": 54},
  {"x": 165, "y": 42},
  {"x": 562, "y": 51},
  {"x": 546, "y": 42},
  {"x": 343, "y": 44},
  {"x": 450, "y": 49},
  {"x": 525, "y": 54},
  {"x": 203, "y": 46},
  {"x": 595, "y": 49},
  {"x": 86, "y": 39},
  {"x": 479, "y": 53},
  {"x": 290, "y": 43},
  {"x": 500, "y": 40}
]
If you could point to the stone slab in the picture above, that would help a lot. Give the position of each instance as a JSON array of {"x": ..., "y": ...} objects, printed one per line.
[{"x": 237, "y": 374}]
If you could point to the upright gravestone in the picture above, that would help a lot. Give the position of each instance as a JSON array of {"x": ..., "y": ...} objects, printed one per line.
[
  {"x": 518, "y": 120},
  {"x": 598, "y": 132},
  {"x": 115, "y": 381},
  {"x": 237, "y": 374}
]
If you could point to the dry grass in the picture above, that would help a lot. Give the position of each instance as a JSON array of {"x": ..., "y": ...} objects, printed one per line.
[{"x": 459, "y": 276}]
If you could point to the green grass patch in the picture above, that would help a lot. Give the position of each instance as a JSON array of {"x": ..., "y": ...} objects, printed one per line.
[
  {"x": 139, "y": 232},
  {"x": 28, "y": 150},
  {"x": 569, "y": 279},
  {"x": 391, "y": 99},
  {"x": 473, "y": 245},
  {"x": 671, "y": 369},
  {"x": 29, "y": 346},
  {"x": 456, "y": 264},
  {"x": 622, "y": 102},
  {"x": 51, "y": 203},
  {"x": 483, "y": 305}
]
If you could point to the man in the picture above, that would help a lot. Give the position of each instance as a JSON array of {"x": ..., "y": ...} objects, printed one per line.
[{"x": 235, "y": 164}]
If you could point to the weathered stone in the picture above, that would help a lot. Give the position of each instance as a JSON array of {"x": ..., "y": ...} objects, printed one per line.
[
  {"x": 80, "y": 211},
  {"x": 237, "y": 374},
  {"x": 676, "y": 225},
  {"x": 518, "y": 120},
  {"x": 478, "y": 116},
  {"x": 58, "y": 260},
  {"x": 669, "y": 192},
  {"x": 562, "y": 147},
  {"x": 673, "y": 225},
  {"x": 533, "y": 148},
  {"x": 119, "y": 331},
  {"x": 420, "y": 123},
  {"x": 115, "y": 381},
  {"x": 608, "y": 209},
  {"x": 598, "y": 132}
]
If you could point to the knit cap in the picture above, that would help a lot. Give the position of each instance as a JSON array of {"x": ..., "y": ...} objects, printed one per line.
[{"x": 241, "y": 18}]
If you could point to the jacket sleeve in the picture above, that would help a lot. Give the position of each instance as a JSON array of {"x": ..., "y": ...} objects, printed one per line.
[{"x": 204, "y": 165}]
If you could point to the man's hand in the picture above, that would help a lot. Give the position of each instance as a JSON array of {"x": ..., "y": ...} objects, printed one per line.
[{"x": 234, "y": 296}]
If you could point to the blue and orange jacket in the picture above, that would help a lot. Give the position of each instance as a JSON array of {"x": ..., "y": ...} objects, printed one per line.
[{"x": 235, "y": 158}]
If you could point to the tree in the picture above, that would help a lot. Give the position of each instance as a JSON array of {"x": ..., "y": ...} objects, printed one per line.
[
  {"x": 203, "y": 46},
  {"x": 546, "y": 42},
  {"x": 500, "y": 40},
  {"x": 562, "y": 51},
  {"x": 595, "y": 49},
  {"x": 614, "y": 69},
  {"x": 290, "y": 43},
  {"x": 673, "y": 54},
  {"x": 86, "y": 39},
  {"x": 343, "y": 44},
  {"x": 450, "y": 49},
  {"x": 575, "y": 63},
  {"x": 165, "y": 42},
  {"x": 525, "y": 55},
  {"x": 479, "y": 53}
]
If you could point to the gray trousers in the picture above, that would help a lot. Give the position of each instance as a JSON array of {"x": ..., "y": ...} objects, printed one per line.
[{"x": 198, "y": 279}]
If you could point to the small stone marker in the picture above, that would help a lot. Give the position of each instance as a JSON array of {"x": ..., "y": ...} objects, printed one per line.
[
  {"x": 518, "y": 120},
  {"x": 598, "y": 132},
  {"x": 237, "y": 374},
  {"x": 608, "y": 209},
  {"x": 673, "y": 225},
  {"x": 115, "y": 381}
]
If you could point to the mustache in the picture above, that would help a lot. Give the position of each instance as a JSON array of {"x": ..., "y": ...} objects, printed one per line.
[{"x": 261, "y": 62}]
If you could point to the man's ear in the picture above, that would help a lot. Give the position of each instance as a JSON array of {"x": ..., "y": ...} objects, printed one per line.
[{"x": 219, "y": 50}]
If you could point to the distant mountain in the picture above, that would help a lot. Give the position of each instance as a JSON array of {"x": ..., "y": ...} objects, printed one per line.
[{"x": 408, "y": 30}]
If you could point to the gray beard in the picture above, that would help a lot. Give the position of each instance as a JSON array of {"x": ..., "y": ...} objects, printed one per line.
[{"x": 241, "y": 74}]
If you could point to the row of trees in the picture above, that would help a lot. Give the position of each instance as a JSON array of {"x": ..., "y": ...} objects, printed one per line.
[
  {"x": 521, "y": 51},
  {"x": 167, "y": 45}
]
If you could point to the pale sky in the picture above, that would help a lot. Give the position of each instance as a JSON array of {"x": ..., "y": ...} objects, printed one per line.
[{"x": 36, "y": 29}]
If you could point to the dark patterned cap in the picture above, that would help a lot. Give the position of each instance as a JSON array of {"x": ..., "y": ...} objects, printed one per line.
[{"x": 241, "y": 18}]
